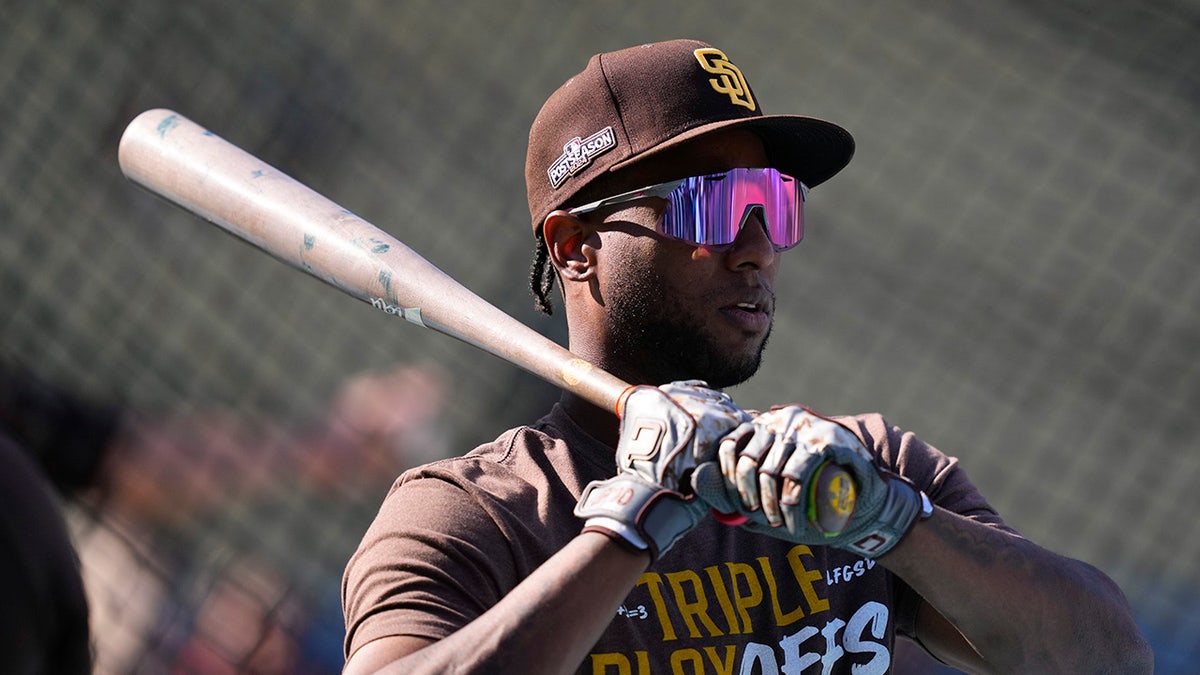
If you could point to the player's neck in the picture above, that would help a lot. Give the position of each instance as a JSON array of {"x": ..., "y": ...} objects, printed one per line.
[{"x": 598, "y": 423}]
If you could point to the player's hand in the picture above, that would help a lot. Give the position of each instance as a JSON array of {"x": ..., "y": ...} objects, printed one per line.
[
  {"x": 766, "y": 471},
  {"x": 666, "y": 432}
]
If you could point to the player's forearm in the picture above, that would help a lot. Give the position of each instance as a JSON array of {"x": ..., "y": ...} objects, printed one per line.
[
  {"x": 547, "y": 624},
  {"x": 1061, "y": 615}
]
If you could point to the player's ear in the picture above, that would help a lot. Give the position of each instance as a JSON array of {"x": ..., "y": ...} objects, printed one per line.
[{"x": 570, "y": 246}]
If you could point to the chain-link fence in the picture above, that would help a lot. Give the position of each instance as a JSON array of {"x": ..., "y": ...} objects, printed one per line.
[{"x": 1007, "y": 268}]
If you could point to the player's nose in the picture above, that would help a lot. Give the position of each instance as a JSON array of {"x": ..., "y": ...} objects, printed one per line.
[{"x": 752, "y": 247}]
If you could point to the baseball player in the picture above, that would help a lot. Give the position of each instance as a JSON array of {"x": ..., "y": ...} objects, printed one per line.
[{"x": 663, "y": 201}]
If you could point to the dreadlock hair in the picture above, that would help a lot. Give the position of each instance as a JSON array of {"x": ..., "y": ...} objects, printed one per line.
[{"x": 541, "y": 276}]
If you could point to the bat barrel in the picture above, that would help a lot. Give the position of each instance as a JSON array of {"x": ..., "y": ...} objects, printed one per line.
[
  {"x": 186, "y": 164},
  {"x": 190, "y": 166}
]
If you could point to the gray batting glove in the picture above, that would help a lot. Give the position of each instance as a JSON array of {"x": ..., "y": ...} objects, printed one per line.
[
  {"x": 766, "y": 469},
  {"x": 666, "y": 432}
]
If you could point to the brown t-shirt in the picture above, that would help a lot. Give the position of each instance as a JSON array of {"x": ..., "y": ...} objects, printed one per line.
[{"x": 453, "y": 537}]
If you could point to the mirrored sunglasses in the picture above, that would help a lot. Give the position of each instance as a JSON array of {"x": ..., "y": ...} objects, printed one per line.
[{"x": 710, "y": 210}]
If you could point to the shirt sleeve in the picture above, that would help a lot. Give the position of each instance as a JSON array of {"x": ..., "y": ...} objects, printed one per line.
[
  {"x": 432, "y": 561},
  {"x": 451, "y": 539}
]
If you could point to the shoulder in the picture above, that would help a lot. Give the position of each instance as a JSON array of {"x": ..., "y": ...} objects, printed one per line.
[
  {"x": 898, "y": 450},
  {"x": 521, "y": 486},
  {"x": 551, "y": 452},
  {"x": 937, "y": 473},
  {"x": 496, "y": 472}
]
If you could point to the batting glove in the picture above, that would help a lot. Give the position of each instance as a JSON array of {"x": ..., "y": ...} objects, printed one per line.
[
  {"x": 766, "y": 471},
  {"x": 666, "y": 432}
]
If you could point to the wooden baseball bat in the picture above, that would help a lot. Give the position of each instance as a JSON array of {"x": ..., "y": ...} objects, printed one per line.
[{"x": 195, "y": 169}]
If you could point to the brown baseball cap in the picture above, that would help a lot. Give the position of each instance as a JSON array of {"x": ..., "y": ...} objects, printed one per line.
[{"x": 630, "y": 104}]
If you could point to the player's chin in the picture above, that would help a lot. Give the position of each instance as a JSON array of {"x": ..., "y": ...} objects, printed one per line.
[
  {"x": 732, "y": 372},
  {"x": 737, "y": 362},
  {"x": 745, "y": 334}
]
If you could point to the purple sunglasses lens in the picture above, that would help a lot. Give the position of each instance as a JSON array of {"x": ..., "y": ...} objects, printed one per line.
[{"x": 710, "y": 210}]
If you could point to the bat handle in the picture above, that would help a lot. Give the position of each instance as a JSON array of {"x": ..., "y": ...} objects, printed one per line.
[{"x": 831, "y": 499}]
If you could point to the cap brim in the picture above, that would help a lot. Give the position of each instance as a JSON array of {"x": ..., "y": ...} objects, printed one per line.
[{"x": 809, "y": 149}]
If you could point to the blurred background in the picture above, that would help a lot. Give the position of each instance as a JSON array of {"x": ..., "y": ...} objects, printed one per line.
[{"x": 1007, "y": 268}]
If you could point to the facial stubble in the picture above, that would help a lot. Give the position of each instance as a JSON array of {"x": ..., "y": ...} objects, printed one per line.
[{"x": 659, "y": 342}]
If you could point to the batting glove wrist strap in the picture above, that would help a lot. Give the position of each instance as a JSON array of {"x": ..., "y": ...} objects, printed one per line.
[
  {"x": 645, "y": 516},
  {"x": 870, "y": 536}
]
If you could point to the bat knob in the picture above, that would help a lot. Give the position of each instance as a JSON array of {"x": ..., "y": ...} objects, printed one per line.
[
  {"x": 730, "y": 519},
  {"x": 831, "y": 503}
]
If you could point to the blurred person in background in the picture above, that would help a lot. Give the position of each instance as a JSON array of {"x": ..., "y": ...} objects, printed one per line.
[
  {"x": 213, "y": 540},
  {"x": 44, "y": 625}
]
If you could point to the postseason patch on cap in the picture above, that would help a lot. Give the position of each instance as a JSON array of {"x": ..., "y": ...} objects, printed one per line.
[{"x": 578, "y": 153}]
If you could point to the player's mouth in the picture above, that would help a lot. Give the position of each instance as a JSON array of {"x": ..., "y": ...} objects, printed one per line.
[{"x": 749, "y": 315}]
